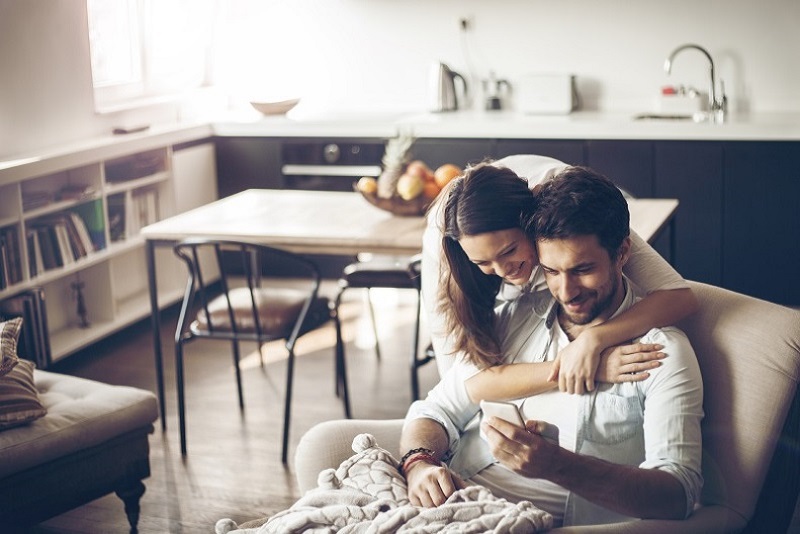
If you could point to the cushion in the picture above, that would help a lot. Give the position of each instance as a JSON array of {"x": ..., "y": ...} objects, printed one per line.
[
  {"x": 19, "y": 400},
  {"x": 278, "y": 310},
  {"x": 9, "y": 334}
]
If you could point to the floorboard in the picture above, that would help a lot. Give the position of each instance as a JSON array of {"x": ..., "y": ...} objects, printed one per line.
[{"x": 233, "y": 468}]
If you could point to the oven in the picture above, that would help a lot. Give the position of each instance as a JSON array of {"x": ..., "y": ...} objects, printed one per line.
[{"x": 329, "y": 165}]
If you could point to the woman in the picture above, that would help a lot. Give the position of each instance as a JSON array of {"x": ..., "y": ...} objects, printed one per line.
[{"x": 491, "y": 199}]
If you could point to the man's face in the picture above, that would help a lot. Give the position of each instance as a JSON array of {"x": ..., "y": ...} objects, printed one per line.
[
  {"x": 507, "y": 253},
  {"x": 582, "y": 277}
]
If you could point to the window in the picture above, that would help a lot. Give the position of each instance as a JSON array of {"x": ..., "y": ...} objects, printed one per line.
[{"x": 145, "y": 49}]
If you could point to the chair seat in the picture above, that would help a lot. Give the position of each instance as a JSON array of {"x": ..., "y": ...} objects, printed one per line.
[
  {"x": 377, "y": 274},
  {"x": 278, "y": 309}
]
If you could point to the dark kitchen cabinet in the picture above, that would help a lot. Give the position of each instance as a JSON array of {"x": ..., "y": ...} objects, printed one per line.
[
  {"x": 629, "y": 164},
  {"x": 571, "y": 152},
  {"x": 692, "y": 172},
  {"x": 436, "y": 152},
  {"x": 761, "y": 232},
  {"x": 247, "y": 163}
]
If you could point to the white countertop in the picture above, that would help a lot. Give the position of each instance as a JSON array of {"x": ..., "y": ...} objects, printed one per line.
[
  {"x": 511, "y": 125},
  {"x": 464, "y": 124}
]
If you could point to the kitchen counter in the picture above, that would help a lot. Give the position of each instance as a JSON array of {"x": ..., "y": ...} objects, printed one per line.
[
  {"x": 463, "y": 124},
  {"x": 511, "y": 125}
]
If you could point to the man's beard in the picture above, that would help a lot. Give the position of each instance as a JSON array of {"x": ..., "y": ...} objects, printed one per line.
[{"x": 597, "y": 309}]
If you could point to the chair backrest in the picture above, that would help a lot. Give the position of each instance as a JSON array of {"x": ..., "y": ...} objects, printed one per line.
[
  {"x": 749, "y": 355},
  {"x": 226, "y": 283}
]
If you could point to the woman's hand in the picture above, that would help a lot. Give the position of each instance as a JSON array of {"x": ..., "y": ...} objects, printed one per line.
[
  {"x": 629, "y": 363},
  {"x": 576, "y": 364}
]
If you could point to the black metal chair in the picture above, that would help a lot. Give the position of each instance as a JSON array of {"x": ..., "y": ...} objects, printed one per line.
[
  {"x": 384, "y": 273},
  {"x": 246, "y": 309}
]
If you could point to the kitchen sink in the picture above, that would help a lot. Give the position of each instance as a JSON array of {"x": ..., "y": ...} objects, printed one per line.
[
  {"x": 700, "y": 116},
  {"x": 661, "y": 117}
]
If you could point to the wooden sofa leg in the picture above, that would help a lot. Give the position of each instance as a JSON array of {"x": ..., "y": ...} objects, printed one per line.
[{"x": 131, "y": 495}]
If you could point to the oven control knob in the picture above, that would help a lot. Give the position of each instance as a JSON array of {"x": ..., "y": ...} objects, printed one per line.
[{"x": 331, "y": 153}]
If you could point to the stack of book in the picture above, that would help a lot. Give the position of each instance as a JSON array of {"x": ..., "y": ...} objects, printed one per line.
[
  {"x": 34, "y": 340},
  {"x": 10, "y": 268},
  {"x": 129, "y": 214},
  {"x": 57, "y": 240}
]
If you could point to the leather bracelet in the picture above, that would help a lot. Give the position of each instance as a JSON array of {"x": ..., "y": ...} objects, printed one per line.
[
  {"x": 420, "y": 457},
  {"x": 411, "y": 453}
]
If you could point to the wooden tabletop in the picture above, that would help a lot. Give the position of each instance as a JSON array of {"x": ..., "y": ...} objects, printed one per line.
[{"x": 334, "y": 222}]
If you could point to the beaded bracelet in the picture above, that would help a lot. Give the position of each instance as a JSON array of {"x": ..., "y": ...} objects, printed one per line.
[
  {"x": 422, "y": 456},
  {"x": 411, "y": 453}
]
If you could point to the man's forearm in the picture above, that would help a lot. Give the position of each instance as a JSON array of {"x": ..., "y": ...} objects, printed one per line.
[
  {"x": 632, "y": 491},
  {"x": 424, "y": 433}
]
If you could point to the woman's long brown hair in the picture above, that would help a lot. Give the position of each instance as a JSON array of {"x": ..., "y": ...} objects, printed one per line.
[{"x": 484, "y": 199}]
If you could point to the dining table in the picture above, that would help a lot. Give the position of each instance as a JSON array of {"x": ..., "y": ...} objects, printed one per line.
[{"x": 323, "y": 222}]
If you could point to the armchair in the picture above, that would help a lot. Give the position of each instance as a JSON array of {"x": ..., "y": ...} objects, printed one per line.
[{"x": 749, "y": 354}]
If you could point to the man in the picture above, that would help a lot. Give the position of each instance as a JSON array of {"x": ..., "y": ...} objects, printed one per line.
[{"x": 629, "y": 450}]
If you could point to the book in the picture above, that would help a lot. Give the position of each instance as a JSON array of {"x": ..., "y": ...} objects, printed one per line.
[
  {"x": 83, "y": 232},
  {"x": 92, "y": 214},
  {"x": 116, "y": 217},
  {"x": 51, "y": 256},
  {"x": 12, "y": 256},
  {"x": 64, "y": 247}
]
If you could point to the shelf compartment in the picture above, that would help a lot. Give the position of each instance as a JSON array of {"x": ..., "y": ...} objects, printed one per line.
[
  {"x": 64, "y": 309},
  {"x": 60, "y": 190},
  {"x": 136, "y": 166}
]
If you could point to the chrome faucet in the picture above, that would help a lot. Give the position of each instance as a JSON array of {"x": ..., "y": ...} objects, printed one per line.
[{"x": 718, "y": 106}]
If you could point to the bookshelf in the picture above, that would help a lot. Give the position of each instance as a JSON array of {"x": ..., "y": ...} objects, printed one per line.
[{"x": 69, "y": 231}]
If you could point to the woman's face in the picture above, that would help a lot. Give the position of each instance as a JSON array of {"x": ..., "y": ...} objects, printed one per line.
[{"x": 507, "y": 253}]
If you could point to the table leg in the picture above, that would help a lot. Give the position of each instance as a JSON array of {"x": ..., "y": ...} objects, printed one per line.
[
  {"x": 155, "y": 321},
  {"x": 672, "y": 241}
]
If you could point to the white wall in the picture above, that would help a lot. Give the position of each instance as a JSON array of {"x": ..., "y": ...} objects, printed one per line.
[{"x": 375, "y": 54}]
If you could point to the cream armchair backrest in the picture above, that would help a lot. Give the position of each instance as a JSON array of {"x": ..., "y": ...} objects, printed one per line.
[{"x": 749, "y": 353}]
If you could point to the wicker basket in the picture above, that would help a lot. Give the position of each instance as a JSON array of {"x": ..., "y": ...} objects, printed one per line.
[{"x": 398, "y": 206}]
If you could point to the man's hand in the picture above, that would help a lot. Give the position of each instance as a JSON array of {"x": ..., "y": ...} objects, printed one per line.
[
  {"x": 523, "y": 450},
  {"x": 629, "y": 363},
  {"x": 430, "y": 485}
]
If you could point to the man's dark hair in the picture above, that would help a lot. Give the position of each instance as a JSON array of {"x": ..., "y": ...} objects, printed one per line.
[{"x": 577, "y": 202}]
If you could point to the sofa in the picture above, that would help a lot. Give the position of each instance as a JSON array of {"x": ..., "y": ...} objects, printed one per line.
[
  {"x": 749, "y": 354},
  {"x": 76, "y": 440}
]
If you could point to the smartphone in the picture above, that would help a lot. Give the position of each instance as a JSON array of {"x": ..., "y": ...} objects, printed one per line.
[
  {"x": 510, "y": 412},
  {"x": 503, "y": 410}
]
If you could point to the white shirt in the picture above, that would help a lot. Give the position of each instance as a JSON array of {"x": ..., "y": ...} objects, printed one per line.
[{"x": 652, "y": 424}]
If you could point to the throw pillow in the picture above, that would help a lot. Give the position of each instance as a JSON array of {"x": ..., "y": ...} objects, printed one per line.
[
  {"x": 19, "y": 399},
  {"x": 9, "y": 334}
]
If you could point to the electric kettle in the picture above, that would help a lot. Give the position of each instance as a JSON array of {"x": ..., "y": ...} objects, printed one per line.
[{"x": 443, "y": 88}]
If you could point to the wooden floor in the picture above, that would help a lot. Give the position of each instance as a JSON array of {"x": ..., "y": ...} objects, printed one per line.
[{"x": 233, "y": 468}]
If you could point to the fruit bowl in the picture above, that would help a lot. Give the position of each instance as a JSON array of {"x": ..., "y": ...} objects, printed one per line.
[{"x": 398, "y": 206}]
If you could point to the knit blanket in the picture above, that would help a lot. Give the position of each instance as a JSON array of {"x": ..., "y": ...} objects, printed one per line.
[{"x": 367, "y": 494}]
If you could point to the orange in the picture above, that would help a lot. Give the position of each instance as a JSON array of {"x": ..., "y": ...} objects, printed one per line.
[
  {"x": 430, "y": 190},
  {"x": 445, "y": 173}
]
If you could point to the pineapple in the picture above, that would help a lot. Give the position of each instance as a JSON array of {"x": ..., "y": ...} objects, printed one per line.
[{"x": 395, "y": 159}]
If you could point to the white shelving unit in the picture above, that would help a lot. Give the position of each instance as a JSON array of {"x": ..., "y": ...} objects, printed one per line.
[{"x": 115, "y": 188}]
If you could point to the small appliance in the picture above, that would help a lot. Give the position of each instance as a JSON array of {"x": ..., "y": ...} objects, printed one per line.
[{"x": 443, "y": 88}]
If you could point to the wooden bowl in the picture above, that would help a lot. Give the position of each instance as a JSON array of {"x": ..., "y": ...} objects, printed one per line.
[{"x": 398, "y": 206}]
